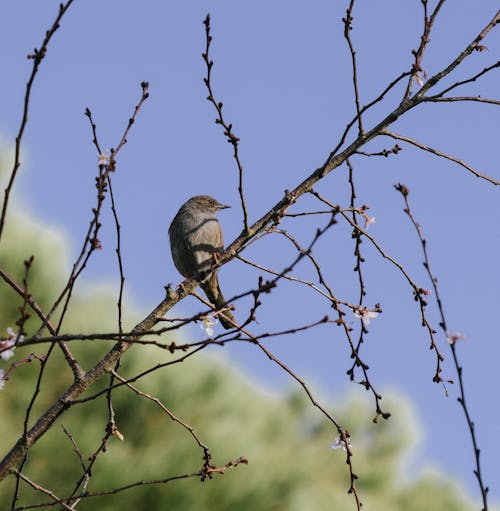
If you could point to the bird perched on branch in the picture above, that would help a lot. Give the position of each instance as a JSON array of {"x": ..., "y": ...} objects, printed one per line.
[{"x": 195, "y": 241}]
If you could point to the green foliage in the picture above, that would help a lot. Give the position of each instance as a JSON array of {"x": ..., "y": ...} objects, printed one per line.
[{"x": 284, "y": 438}]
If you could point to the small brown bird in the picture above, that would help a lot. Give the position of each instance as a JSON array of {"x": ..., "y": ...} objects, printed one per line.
[{"x": 195, "y": 240}]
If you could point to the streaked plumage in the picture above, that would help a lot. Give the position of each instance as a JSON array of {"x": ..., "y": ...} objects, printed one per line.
[{"x": 195, "y": 236}]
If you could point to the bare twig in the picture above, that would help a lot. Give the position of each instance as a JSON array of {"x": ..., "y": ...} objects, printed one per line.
[
  {"x": 451, "y": 99},
  {"x": 359, "y": 261},
  {"x": 440, "y": 154},
  {"x": 207, "y": 456},
  {"x": 28, "y": 300},
  {"x": 342, "y": 432},
  {"x": 202, "y": 473},
  {"x": 473, "y": 46},
  {"x": 111, "y": 427},
  {"x": 385, "y": 152},
  {"x": 379, "y": 98},
  {"x": 228, "y": 128},
  {"x": 358, "y": 362},
  {"x": 118, "y": 255},
  {"x": 91, "y": 241},
  {"x": 347, "y": 20},
  {"x": 424, "y": 41},
  {"x": 86, "y": 474},
  {"x": 418, "y": 292},
  {"x": 41, "y": 489},
  {"x": 291, "y": 278},
  {"x": 37, "y": 57},
  {"x": 440, "y": 95},
  {"x": 461, "y": 399}
]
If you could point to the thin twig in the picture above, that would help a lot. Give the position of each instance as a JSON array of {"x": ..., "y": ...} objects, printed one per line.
[
  {"x": 91, "y": 241},
  {"x": 41, "y": 489},
  {"x": 111, "y": 427},
  {"x": 424, "y": 41},
  {"x": 461, "y": 399},
  {"x": 228, "y": 128},
  {"x": 440, "y": 154},
  {"x": 379, "y": 98},
  {"x": 358, "y": 362},
  {"x": 207, "y": 456},
  {"x": 347, "y": 34},
  {"x": 440, "y": 95},
  {"x": 418, "y": 292},
  {"x": 473, "y": 46},
  {"x": 209, "y": 473},
  {"x": 451, "y": 99},
  {"x": 37, "y": 56},
  {"x": 307, "y": 283},
  {"x": 342, "y": 432},
  {"x": 86, "y": 474},
  {"x": 118, "y": 256},
  {"x": 359, "y": 262}
]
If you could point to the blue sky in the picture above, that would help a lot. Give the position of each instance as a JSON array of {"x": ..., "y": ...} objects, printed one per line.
[{"x": 283, "y": 72}]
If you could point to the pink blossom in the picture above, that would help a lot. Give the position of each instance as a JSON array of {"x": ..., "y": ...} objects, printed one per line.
[
  {"x": 369, "y": 220},
  {"x": 453, "y": 337}
]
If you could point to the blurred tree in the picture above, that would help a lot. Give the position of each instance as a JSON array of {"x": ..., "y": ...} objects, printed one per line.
[{"x": 290, "y": 464}]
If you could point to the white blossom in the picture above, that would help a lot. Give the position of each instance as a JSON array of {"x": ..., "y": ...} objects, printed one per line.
[
  {"x": 340, "y": 444},
  {"x": 18, "y": 339},
  {"x": 365, "y": 315},
  {"x": 8, "y": 345},
  {"x": 207, "y": 325},
  {"x": 103, "y": 159}
]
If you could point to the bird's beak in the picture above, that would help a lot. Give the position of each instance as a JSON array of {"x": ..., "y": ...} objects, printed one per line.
[{"x": 223, "y": 206}]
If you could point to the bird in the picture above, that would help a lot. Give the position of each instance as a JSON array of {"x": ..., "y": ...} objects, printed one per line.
[{"x": 195, "y": 241}]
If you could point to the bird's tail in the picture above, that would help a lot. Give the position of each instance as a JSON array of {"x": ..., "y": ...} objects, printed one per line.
[{"x": 214, "y": 294}]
